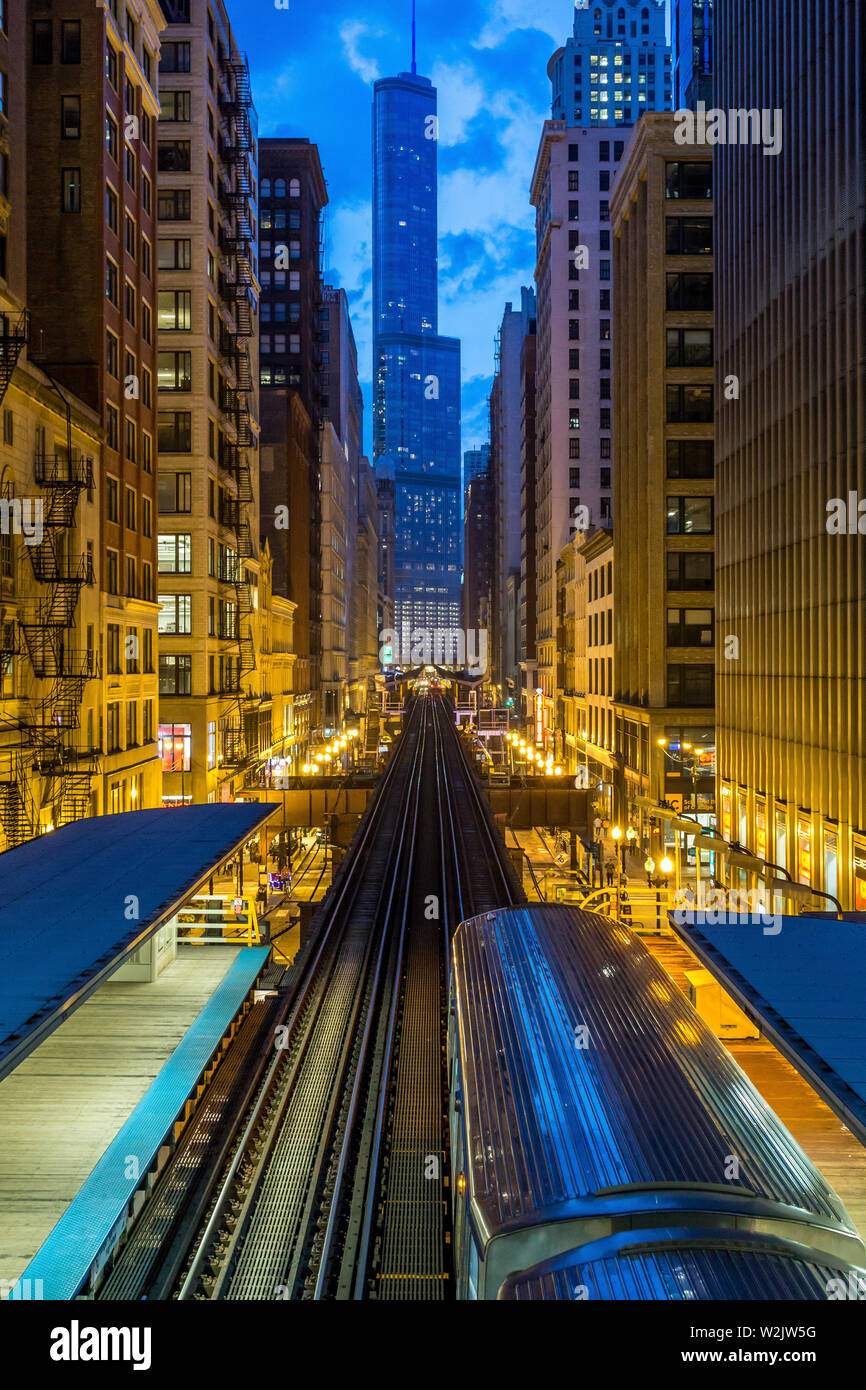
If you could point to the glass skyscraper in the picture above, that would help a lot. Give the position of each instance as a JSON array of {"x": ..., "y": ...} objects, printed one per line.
[{"x": 416, "y": 404}]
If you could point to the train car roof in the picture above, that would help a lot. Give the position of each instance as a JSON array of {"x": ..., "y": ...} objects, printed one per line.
[
  {"x": 672, "y": 1266},
  {"x": 587, "y": 1074}
]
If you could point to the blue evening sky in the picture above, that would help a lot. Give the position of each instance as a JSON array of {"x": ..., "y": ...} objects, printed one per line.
[{"x": 312, "y": 67}]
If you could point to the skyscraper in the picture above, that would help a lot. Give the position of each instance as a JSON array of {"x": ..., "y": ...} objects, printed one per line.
[
  {"x": 616, "y": 66},
  {"x": 692, "y": 43},
  {"x": 791, "y": 445},
  {"x": 416, "y": 405}
]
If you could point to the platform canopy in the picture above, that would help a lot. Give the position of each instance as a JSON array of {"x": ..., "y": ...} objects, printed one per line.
[
  {"x": 801, "y": 979},
  {"x": 75, "y": 904}
]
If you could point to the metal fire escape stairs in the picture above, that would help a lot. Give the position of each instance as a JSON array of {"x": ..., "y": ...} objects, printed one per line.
[
  {"x": 47, "y": 744},
  {"x": 238, "y": 145}
]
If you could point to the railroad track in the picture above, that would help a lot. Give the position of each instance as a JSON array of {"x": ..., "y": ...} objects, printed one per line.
[{"x": 320, "y": 1170}]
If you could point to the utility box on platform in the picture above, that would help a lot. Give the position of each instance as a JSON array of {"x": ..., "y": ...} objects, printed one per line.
[
  {"x": 718, "y": 1009},
  {"x": 149, "y": 961}
]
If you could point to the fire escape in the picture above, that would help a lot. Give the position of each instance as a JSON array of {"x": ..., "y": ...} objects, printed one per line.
[
  {"x": 46, "y": 745},
  {"x": 237, "y": 287}
]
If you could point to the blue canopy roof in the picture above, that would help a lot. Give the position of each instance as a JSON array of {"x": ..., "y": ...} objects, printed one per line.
[
  {"x": 75, "y": 904},
  {"x": 804, "y": 984}
]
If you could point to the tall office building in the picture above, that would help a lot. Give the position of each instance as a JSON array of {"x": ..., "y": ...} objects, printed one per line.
[
  {"x": 663, "y": 613},
  {"x": 791, "y": 448},
  {"x": 526, "y": 653},
  {"x": 692, "y": 44},
  {"x": 616, "y": 66},
  {"x": 475, "y": 462},
  {"x": 292, "y": 197},
  {"x": 505, "y": 491},
  {"x": 417, "y": 372},
  {"x": 213, "y": 726},
  {"x": 91, "y": 292}
]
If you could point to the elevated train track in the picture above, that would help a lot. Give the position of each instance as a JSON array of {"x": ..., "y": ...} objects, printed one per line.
[{"x": 319, "y": 1166}]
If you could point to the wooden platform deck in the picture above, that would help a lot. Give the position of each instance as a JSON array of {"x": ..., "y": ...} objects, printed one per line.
[
  {"x": 62, "y": 1107},
  {"x": 831, "y": 1147}
]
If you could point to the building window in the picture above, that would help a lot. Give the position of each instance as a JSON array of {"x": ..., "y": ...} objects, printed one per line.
[
  {"x": 684, "y": 180},
  {"x": 175, "y": 432},
  {"x": 689, "y": 405},
  {"x": 112, "y": 426},
  {"x": 175, "y": 105},
  {"x": 604, "y": 330},
  {"x": 42, "y": 45},
  {"x": 112, "y": 649},
  {"x": 174, "y": 253},
  {"x": 175, "y": 745},
  {"x": 574, "y": 478},
  {"x": 174, "y": 554},
  {"x": 294, "y": 188},
  {"x": 574, "y": 448},
  {"x": 131, "y": 508},
  {"x": 574, "y": 418},
  {"x": 174, "y": 205},
  {"x": 689, "y": 290},
  {"x": 689, "y": 236},
  {"x": 573, "y": 181},
  {"x": 70, "y": 41},
  {"x": 691, "y": 627},
  {"x": 175, "y": 57},
  {"x": 70, "y": 118},
  {"x": 175, "y": 492},
  {"x": 573, "y": 210},
  {"x": 129, "y": 302},
  {"x": 111, "y": 135},
  {"x": 147, "y": 662},
  {"x": 112, "y": 571},
  {"x": 71, "y": 190},
  {"x": 604, "y": 388},
  {"x": 690, "y": 516},
  {"x": 175, "y": 615},
  {"x": 131, "y": 436},
  {"x": 604, "y": 418},
  {"x": 173, "y": 156},
  {"x": 175, "y": 675},
  {"x": 146, "y": 453},
  {"x": 690, "y": 458},
  {"x": 690, "y": 686},
  {"x": 604, "y": 448},
  {"x": 690, "y": 570},
  {"x": 112, "y": 729},
  {"x": 174, "y": 371},
  {"x": 689, "y": 347},
  {"x": 574, "y": 388}
]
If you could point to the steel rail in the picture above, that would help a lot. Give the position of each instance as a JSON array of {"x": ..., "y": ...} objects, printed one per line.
[{"x": 334, "y": 926}]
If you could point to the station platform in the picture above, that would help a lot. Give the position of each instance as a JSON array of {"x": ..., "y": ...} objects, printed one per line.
[
  {"x": 84, "y": 1115},
  {"x": 832, "y": 1147}
]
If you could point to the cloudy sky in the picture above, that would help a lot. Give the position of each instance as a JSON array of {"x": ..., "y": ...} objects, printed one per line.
[{"x": 312, "y": 67}]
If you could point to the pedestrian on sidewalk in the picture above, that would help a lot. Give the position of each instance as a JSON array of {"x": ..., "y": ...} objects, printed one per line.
[{"x": 610, "y": 869}]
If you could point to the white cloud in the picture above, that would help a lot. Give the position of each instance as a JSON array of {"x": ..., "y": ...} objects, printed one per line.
[
  {"x": 550, "y": 17},
  {"x": 349, "y": 235},
  {"x": 461, "y": 97},
  {"x": 351, "y": 33}
]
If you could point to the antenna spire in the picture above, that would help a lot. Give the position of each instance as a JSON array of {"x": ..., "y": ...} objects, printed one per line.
[{"x": 414, "y": 68}]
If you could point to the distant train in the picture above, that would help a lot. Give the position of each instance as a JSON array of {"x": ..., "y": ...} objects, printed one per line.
[{"x": 604, "y": 1144}]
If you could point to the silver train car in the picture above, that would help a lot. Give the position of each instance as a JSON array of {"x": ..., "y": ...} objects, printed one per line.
[{"x": 604, "y": 1144}]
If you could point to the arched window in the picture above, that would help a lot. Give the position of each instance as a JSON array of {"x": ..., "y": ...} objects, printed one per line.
[
  {"x": 620, "y": 14},
  {"x": 279, "y": 188},
  {"x": 295, "y": 188},
  {"x": 266, "y": 188}
]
